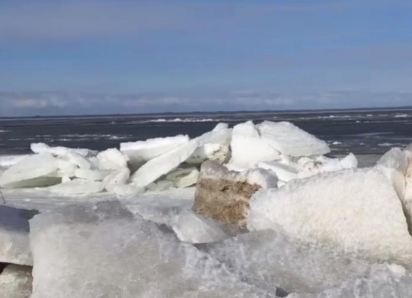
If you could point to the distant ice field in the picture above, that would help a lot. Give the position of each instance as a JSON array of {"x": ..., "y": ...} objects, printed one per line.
[{"x": 363, "y": 132}]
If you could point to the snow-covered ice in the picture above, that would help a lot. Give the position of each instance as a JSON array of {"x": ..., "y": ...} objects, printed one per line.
[
  {"x": 358, "y": 211},
  {"x": 271, "y": 260},
  {"x": 382, "y": 281},
  {"x": 105, "y": 251}
]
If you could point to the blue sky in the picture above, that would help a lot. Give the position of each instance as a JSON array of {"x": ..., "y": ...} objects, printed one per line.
[{"x": 122, "y": 56}]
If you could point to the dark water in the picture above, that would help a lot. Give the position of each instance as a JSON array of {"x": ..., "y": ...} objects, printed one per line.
[{"x": 360, "y": 132}]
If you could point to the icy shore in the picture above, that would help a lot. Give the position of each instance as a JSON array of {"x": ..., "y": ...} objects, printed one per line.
[{"x": 250, "y": 211}]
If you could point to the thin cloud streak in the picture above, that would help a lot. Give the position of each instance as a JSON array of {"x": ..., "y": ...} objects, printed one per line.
[{"x": 55, "y": 103}]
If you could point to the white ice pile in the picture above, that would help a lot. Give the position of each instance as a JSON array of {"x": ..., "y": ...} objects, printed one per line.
[
  {"x": 173, "y": 162},
  {"x": 105, "y": 251}
]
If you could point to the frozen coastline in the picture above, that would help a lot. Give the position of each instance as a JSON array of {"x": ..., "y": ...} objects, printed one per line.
[{"x": 314, "y": 225}]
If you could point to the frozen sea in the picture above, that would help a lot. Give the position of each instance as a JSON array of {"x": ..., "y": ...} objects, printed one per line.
[{"x": 366, "y": 133}]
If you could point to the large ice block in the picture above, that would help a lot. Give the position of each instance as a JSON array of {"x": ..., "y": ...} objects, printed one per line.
[
  {"x": 358, "y": 211},
  {"x": 142, "y": 151},
  {"x": 105, "y": 251},
  {"x": 111, "y": 159},
  {"x": 248, "y": 148},
  {"x": 289, "y": 139},
  {"x": 163, "y": 164},
  {"x": 77, "y": 187},
  {"x": 271, "y": 260},
  {"x": 31, "y": 172}
]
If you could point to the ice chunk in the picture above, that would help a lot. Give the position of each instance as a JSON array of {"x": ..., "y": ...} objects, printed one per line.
[
  {"x": 14, "y": 235},
  {"x": 193, "y": 228},
  {"x": 284, "y": 172},
  {"x": 7, "y": 161},
  {"x": 77, "y": 159},
  {"x": 382, "y": 281},
  {"x": 183, "y": 177},
  {"x": 66, "y": 167},
  {"x": 163, "y": 164},
  {"x": 142, "y": 151},
  {"x": 128, "y": 190},
  {"x": 162, "y": 207},
  {"x": 393, "y": 165},
  {"x": 221, "y": 126},
  {"x": 395, "y": 159},
  {"x": 216, "y": 152},
  {"x": 59, "y": 151},
  {"x": 111, "y": 159},
  {"x": 349, "y": 162},
  {"x": 137, "y": 258},
  {"x": 16, "y": 282},
  {"x": 270, "y": 260},
  {"x": 323, "y": 164},
  {"x": 358, "y": 211},
  {"x": 161, "y": 185},
  {"x": 248, "y": 148},
  {"x": 31, "y": 171},
  {"x": 77, "y": 187},
  {"x": 221, "y": 134},
  {"x": 263, "y": 178},
  {"x": 117, "y": 178},
  {"x": 290, "y": 140},
  {"x": 92, "y": 175}
]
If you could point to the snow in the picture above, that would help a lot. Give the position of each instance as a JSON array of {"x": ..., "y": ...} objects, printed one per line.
[
  {"x": 14, "y": 235},
  {"x": 290, "y": 140},
  {"x": 111, "y": 159},
  {"x": 26, "y": 172},
  {"x": 358, "y": 211},
  {"x": 142, "y": 151},
  {"x": 163, "y": 164},
  {"x": 105, "y": 251},
  {"x": 77, "y": 187},
  {"x": 248, "y": 148}
]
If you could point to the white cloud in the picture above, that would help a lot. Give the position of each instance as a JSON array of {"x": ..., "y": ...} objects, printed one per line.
[{"x": 53, "y": 103}]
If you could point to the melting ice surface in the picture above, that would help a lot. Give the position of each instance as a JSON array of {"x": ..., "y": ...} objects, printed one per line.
[{"x": 118, "y": 223}]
